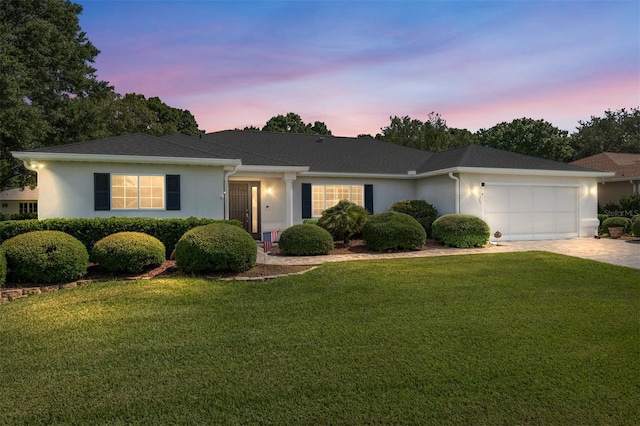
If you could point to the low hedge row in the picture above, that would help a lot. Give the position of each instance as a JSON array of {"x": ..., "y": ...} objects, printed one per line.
[
  {"x": 3, "y": 267},
  {"x": 90, "y": 231}
]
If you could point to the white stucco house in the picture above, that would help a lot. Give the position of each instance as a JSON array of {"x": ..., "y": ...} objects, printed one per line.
[{"x": 271, "y": 181}]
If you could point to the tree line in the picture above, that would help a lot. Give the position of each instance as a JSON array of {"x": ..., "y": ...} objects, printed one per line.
[
  {"x": 616, "y": 131},
  {"x": 50, "y": 95}
]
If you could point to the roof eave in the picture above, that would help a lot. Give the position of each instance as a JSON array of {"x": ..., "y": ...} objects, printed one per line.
[
  {"x": 359, "y": 175},
  {"x": 272, "y": 169},
  {"x": 522, "y": 172},
  {"x": 34, "y": 157}
]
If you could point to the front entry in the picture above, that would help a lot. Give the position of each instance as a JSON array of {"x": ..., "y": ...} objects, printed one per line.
[{"x": 244, "y": 205}]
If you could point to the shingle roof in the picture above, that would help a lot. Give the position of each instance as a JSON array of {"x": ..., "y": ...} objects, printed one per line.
[
  {"x": 321, "y": 154},
  {"x": 329, "y": 154},
  {"x": 624, "y": 165},
  {"x": 484, "y": 157},
  {"x": 136, "y": 144}
]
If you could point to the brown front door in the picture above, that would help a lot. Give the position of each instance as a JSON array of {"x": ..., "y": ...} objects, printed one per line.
[{"x": 244, "y": 205}]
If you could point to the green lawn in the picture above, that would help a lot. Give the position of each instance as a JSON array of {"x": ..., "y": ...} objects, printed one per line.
[{"x": 523, "y": 338}]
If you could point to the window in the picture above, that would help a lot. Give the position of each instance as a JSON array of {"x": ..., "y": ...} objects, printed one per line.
[
  {"x": 325, "y": 196},
  {"x": 28, "y": 207},
  {"x": 137, "y": 192}
]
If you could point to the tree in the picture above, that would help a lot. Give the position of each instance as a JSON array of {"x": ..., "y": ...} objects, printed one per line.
[
  {"x": 50, "y": 95},
  {"x": 292, "y": 123},
  {"x": 617, "y": 131},
  {"x": 430, "y": 135},
  {"x": 45, "y": 60},
  {"x": 528, "y": 136}
]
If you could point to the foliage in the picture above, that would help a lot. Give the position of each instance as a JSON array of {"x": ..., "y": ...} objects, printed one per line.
[
  {"x": 216, "y": 247},
  {"x": 530, "y": 137},
  {"x": 602, "y": 218},
  {"x": 45, "y": 60},
  {"x": 617, "y": 131},
  {"x": 310, "y": 221},
  {"x": 292, "y": 123},
  {"x": 18, "y": 216},
  {"x": 43, "y": 257},
  {"x": 630, "y": 204},
  {"x": 128, "y": 252},
  {"x": 50, "y": 91},
  {"x": 305, "y": 240},
  {"x": 391, "y": 231},
  {"x": 89, "y": 231},
  {"x": 343, "y": 220},
  {"x": 420, "y": 210},
  {"x": 492, "y": 339},
  {"x": 3, "y": 267},
  {"x": 635, "y": 218},
  {"x": 611, "y": 222},
  {"x": 635, "y": 228},
  {"x": 461, "y": 230},
  {"x": 430, "y": 135}
]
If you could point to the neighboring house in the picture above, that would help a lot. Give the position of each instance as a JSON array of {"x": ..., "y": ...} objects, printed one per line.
[
  {"x": 625, "y": 181},
  {"x": 271, "y": 181},
  {"x": 19, "y": 200}
]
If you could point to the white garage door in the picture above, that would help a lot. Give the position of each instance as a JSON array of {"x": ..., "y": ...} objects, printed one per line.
[{"x": 531, "y": 212}]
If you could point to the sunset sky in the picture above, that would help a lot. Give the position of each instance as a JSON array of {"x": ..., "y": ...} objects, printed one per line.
[{"x": 353, "y": 64}]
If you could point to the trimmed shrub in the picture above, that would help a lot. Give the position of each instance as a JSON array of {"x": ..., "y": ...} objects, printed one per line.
[
  {"x": 602, "y": 218},
  {"x": 128, "y": 252},
  {"x": 344, "y": 220},
  {"x": 611, "y": 222},
  {"x": 635, "y": 218},
  {"x": 635, "y": 228},
  {"x": 391, "y": 231},
  {"x": 3, "y": 267},
  {"x": 90, "y": 231},
  {"x": 305, "y": 240},
  {"x": 461, "y": 230},
  {"x": 420, "y": 210},
  {"x": 310, "y": 221},
  {"x": 44, "y": 257},
  {"x": 216, "y": 247}
]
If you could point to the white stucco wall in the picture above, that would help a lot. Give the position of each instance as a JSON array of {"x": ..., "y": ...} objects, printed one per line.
[
  {"x": 385, "y": 191},
  {"x": 66, "y": 189},
  {"x": 439, "y": 191}
]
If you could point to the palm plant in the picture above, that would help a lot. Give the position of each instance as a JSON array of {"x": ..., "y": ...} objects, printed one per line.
[{"x": 343, "y": 220}]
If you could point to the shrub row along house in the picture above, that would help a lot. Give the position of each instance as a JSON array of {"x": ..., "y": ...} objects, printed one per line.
[{"x": 271, "y": 181}]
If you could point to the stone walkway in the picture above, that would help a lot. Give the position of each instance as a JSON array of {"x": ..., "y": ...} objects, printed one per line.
[{"x": 617, "y": 252}]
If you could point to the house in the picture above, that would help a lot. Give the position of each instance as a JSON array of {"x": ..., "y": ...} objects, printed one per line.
[
  {"x": 271, "y": 181},
  {"x": 625, "y": 181},
  {"x": 18, "y": 201}
]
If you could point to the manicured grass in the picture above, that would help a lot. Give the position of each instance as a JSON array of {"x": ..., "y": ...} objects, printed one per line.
[{"x": 523, "y": 338}]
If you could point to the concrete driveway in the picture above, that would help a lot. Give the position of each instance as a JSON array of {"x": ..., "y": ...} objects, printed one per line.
[{"x": 617, "y": 252}]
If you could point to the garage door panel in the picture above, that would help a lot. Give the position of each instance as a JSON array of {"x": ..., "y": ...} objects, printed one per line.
[
  {"x": 498, "y": 199},
  {"x": 544, "y": 199},
  {"x": 566, "y": 199},
  {"x": 520, "y": 199},
  {"x": 545, "y": 223},
  {"x": 566, "y": 223},
  {"x": 520, "y": 223}
]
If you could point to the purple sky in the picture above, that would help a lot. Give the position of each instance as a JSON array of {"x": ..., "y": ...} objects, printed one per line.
[{"x": 353, "y": 64}]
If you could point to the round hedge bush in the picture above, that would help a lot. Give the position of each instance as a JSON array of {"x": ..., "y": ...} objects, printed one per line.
[
  {"x": 44, "y": 257},
  {"x": 128, "y": 252},
  {"x": 420, "y": 210},
  {"x": 3, "y": 267},
  {"x": 461, "y": 230},
  {"x": 305, "y": 240},
  {"x": 216, "y": 247},
  {"x": 392, "y": 231},
  {"x": 616, "y": 221},
  {"x": 635, "y": 228}
]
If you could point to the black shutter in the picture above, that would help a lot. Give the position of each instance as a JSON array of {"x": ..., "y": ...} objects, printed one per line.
[
  {"x": 172, "y": 187},
  {"x": 101, "y": 191},
  {"x": 306, "y": 201},
  {"x": 368, "y": 198}
]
